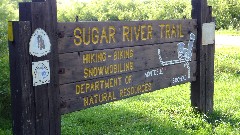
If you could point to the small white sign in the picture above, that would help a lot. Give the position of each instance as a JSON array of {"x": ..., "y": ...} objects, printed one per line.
[
  {"x": 40, "y": 43},
  {"x": 208, "y": 33},
  {"x": 40, "y": 72}
]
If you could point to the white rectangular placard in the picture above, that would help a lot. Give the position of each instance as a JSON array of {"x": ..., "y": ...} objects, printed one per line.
[
  {"x": 208, "y": 33},
  {"x": 41, "y": 72}
]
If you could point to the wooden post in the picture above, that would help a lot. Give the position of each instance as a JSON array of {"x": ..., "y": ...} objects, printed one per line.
[
  {"x": 35, "y": 108},
  {"x": 202, "y": 89},
  {"x": 21, "y": 83}
]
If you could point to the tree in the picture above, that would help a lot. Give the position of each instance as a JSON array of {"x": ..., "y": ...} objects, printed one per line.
[{"x": 8, "y": 11}]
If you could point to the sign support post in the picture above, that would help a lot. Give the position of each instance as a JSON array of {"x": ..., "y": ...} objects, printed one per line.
[
  {"x": 202, "y": 89},
  {"x": 35, "y": 106}
]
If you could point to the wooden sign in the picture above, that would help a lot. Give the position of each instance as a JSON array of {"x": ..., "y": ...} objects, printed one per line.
[
  {"x": 83, "y": 36},
  {"x": 77, "y": 65},
  {"x": 100, "y": 62}
]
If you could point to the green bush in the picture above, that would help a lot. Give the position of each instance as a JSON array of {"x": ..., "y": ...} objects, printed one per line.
[
  {"x": 227, "y": 12},
  {"x": 8, "y": 11},
  {"x": 4, "y": 87},
  {"x": 118, "y": 10}
]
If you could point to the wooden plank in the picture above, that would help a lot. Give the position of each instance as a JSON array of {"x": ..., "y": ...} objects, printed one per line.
[
  {"x": 202, "y": 88},
  {"x": 74, "y": 37},
  {"x": 21, "y": 82},
  {"x": 15, "y": 82},
  {"x": 85, "y": 94},
  {"x": 42, "y": 14},
  {"x": 210, "y": 69},
  {"x": 27, "y": 92},
  {"x": 41, "y": 92},
  {"x": 53, "y": 91},
  {"x": 93, "y": 64},
  {"x": 198, "y": 87},
  {"x": 25, "y": 11}
]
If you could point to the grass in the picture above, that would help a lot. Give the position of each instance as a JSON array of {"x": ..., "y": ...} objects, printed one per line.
[
  {"x": 166, "y": 111},
  {"x": 230, "y": 32}
]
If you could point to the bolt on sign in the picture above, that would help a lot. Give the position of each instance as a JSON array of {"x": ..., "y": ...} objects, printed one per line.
[{"x": 57, "y": 68}]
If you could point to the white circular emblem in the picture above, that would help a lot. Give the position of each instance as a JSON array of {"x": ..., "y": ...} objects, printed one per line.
[{"x": 40, "y": 43}]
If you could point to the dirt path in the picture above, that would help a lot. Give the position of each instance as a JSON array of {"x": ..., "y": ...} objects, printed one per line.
[{"x": 224, "y": 40}]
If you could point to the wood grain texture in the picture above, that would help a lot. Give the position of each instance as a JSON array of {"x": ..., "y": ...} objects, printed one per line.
[
  {"x": 42, "y": 14},
  {"x": 210, "y": 69},
  {"x": 66, "y": 34},
  {"x": 54, "y": 99},
  {"x": 71, "y": 101},
  {"x": 202, "y": 89},
  {"x": 21, "y": 81},
  {"x": 143, "y": 57},
  {"x": 77, "y": 63}
]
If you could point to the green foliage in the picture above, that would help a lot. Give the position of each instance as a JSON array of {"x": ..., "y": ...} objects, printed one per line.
[
  {"x": 5, "y": 99},
  {"x": 227, "y": 61},
  {"x": 5, "y": 126},
  {"x": 109, "y": 10},
  {"x": 230, "y": 32},
  {"x": 8, "y": 11},
  {"x": 227, "y": 12},
  {"x": 4, "y": 87}
]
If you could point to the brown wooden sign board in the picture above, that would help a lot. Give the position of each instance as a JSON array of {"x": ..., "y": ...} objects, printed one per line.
[
  {"x": 82, "y": 36},
  {"x": 101, "y": 62},
  {"x": 85, "y": 94},
  {"x": 93, "y": 63}
]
